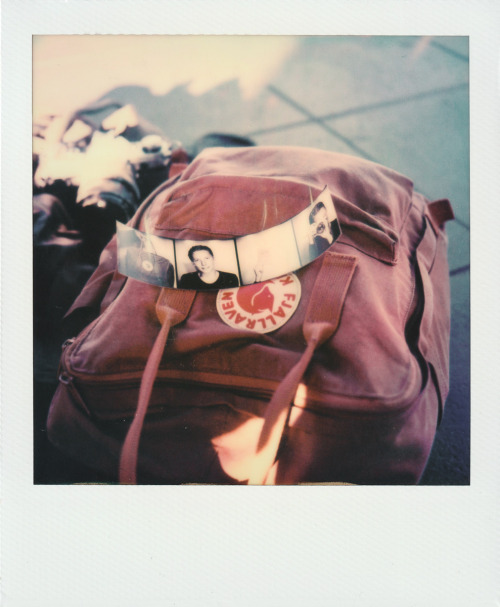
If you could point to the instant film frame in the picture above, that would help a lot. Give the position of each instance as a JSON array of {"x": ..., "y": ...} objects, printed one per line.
[
  {"x": 439, "y": 142},
  {"x": 43, "y": 525},
  {"x": 268, "y": 254}
]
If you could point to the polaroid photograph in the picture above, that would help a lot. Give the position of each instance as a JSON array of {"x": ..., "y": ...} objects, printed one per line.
[{"x": 103, "y": 146}]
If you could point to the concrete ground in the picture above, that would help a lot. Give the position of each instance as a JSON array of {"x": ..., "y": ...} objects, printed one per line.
[{"x": 400, "y": 101}]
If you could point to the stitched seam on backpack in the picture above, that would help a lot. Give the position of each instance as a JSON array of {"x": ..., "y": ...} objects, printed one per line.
[
  {"x": 393, "y": 261},
  {"x": 201, "y": 231},
  {"x": 245, "y": 190}
]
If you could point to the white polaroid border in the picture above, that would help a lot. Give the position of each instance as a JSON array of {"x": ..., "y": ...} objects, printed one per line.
[{"x": 355, "y": 546}]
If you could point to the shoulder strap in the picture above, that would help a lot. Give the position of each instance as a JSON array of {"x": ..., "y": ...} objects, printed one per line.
[
  {"x": 172, "y": 308},
  {"x": 321, "y": 322},
  {"x": 439, "y": 212}
]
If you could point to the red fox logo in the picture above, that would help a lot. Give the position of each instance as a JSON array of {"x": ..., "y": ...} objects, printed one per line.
[
  {"x": 261, "y": 307},
  {"x": 256, "y": 298}
]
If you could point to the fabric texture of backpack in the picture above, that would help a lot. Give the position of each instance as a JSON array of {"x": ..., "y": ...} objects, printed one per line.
[{"x": 158, "y": 389}]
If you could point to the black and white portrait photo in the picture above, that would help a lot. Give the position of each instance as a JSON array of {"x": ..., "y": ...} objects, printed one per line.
[
  {"x": 207, "y": 265},
  {"x": 316, "y": 228}
]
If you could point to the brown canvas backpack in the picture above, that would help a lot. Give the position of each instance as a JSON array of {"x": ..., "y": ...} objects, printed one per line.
[{"x": 158, "y": 388}]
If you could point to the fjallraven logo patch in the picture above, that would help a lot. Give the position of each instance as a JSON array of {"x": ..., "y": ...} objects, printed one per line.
[{"x": 261, "y": 307}]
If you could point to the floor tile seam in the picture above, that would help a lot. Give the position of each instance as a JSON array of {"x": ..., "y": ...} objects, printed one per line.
[
  {"x": 356, "y": 148},
  {"x": 460, "y": 270},
  {"x": 450, "y": 51},
  {"x": 415, "y": 97},
  {"x": 368, "y": 156},
  {"x": 316, "y": 120},
  {"x": 355, "y": 110},
  {"x": 313, "y": 119}
]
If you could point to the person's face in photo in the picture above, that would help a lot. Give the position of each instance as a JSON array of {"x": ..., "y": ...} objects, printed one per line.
[
  {"x": 203, "y": 262},
  {"x": 321, "y": 222}
]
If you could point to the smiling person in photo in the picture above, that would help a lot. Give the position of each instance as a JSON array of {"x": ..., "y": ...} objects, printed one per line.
[{"x": 206, "y": 275}]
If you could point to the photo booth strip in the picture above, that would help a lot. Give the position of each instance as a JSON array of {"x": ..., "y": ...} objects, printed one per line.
[{"x": 220, "y": 264}]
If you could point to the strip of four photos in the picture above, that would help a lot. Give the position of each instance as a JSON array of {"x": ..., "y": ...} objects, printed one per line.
[{"x": 221, "y": 264}]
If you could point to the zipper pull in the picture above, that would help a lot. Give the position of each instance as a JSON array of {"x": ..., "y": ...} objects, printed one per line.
[
  {"x": 67, "y": 343},
  {"x": 64, "y": 378},
  {"x": 67, "y": 380},
  {"x": 61, "y": 373}
]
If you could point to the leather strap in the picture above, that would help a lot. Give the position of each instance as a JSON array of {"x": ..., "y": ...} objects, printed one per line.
[
  {"x": 176, "y": 168},
  {"x": 439, "y": 212},
  {"x": 321, "y": 322},
  {"x": 172, "y": 308}
]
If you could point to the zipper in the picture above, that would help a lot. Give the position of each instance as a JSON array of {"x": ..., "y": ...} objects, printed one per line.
[
  {"x": 260, "y": 388},
  {"x": 133, "y": 379},
  {"x": 67, "y": 381},
  {"x": 244, "y": 386},
  {"x": 67, "y": 343}
]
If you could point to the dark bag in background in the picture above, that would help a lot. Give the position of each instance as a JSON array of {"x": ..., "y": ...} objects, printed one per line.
[
  {"x": 99, "y": 162},
  {"x": 91, "y": 167}
]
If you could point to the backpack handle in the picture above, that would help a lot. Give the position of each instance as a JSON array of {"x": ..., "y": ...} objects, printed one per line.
[
  {"x": 439, "y": 212},
  {"x": 172, "y": 307},
  {"x": 321, "y": 321}
]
